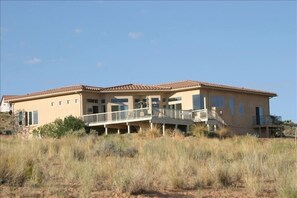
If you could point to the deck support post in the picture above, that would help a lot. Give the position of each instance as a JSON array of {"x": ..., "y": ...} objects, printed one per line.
[
  {"x": 151, "y": 125},
  {"x": 128, "y": 128},
  {"x": 119, "y": 132},
  {"x": 106, "y": 130},
  {"x": 163, "y": 129},
  {"x": 208, "y": 129},
  {"x": 176, "y": 127},
  {"x": 187, "y": 129},
  {"x": 140, "y": 129},
  {"x": 215, "y": 127}
]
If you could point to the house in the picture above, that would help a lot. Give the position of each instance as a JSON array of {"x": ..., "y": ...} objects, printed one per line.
[
  {"x": 134, "y": 106},
  {"x": 5, "y": 105}
]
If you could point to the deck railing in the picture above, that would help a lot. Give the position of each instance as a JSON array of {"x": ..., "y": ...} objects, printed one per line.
[
  {"x": 172, "y": 113},
  {"x": 135, "y": 115},
  {"x": 204, "y": 115},
  {"x": 117, "y": 116},
  {"x": 267, "y": 120}
]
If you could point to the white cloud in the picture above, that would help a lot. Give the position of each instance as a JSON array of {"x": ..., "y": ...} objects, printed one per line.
[
  {"x": 135, "y": 35},
  {"x": 34, "y": 61},
  {"x": 99, "y": 64},
  {"x": 78, "y": 30}
]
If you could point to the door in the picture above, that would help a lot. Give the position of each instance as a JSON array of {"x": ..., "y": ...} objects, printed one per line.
[{"x": 259, "y": 115}]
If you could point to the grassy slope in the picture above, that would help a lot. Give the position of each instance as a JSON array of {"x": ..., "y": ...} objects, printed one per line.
[{"x": 132, "y": 163}]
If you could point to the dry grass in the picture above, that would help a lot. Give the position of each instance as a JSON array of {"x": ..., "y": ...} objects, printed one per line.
[{"x": 127, "y": 163}]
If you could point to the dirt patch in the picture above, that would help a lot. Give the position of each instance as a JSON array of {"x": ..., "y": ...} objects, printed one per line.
[{"x": 8, "y": 191}]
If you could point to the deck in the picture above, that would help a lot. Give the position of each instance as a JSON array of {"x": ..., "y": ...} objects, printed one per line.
[{"x": 156, "y": 115}]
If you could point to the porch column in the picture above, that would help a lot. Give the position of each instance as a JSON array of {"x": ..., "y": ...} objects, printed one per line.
[
  {"x": 204, "y": 101},
  {"x": 163, "y": 129},
  {"x": 106, "y": 130},
  {"x": 128, "y": 128}
]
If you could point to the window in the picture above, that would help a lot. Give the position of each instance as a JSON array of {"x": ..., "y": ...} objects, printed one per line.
[
  {"x": 92, "y": 101},
  {"x": 60, "y": 102},
  {"x": 232, "y": 105},
  {"x": 26, "y": 118},
  {"x": 241, "y": 109},
  {"x": 136, "y": 100},
  {"x": 35, "y": 117},
  {"x": 155, "y": 102},
  {"x": 198, "y": 101},
  {"x": 174, "y": 99},
  {"x": 68, "y": 101},
  {"x": 52, "y": 104},
  {"x": 217, "y": 101},
  {"x": 103, "y": 101},
  {"x": 119, "y": 100},
  {"x": 20, "y": 118},
  {"x": 30, "y": 118}
]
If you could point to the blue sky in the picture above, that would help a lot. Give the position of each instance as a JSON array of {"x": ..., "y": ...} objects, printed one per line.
[{"x": 48, "y": 44}]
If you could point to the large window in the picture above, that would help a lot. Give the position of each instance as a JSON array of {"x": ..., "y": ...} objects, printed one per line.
[
  {"x": 241, "y": 109},
  {"x": 232, "y": 105},
  {"x": 119, "y": 100},
  {"x": 217, "y": 101},
  {"x": 198, "y": 101},
  {"x": 29, "y": 118},
  {"x": 35, "y": 117}
]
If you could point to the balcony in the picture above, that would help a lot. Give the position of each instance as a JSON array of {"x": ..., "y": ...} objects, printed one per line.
[
  {"x": 156, "y": 115},
  {"x": 269, "y": 120}
]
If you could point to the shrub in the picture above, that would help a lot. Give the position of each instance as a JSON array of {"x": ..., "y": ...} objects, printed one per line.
[
  {"x": 58, "y": 128},
  {"x": 199, "y": 130},
  {"x": 110, "y": 148},
  {"x": 224, "y": 132}
]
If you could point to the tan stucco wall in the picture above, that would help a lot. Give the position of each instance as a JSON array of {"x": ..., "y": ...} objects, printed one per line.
[
  {"x": 48, "y": 113},
  {"x": 239, "y": 123},
  {"x": 186, "y": 98}
]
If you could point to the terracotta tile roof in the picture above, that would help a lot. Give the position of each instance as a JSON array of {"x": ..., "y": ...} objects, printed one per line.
[
  {"x": 192, "y": 84},
  {"x": 180, "y": 84},
  {"x": 7, "y": 97},
  {"x": 136, "y": 87},
  {"x": 57, "y": 91}
]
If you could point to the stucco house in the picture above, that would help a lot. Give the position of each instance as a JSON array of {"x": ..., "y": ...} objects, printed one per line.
[{"x": 133, "y": 106}]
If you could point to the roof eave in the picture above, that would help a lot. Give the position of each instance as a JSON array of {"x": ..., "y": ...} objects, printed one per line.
[
  {"x": 25, "y": 98},
  {"x": 269, "y": 94}
]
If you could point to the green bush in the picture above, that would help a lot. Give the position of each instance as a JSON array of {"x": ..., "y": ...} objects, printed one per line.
[{"x": 69, "y": 126}]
